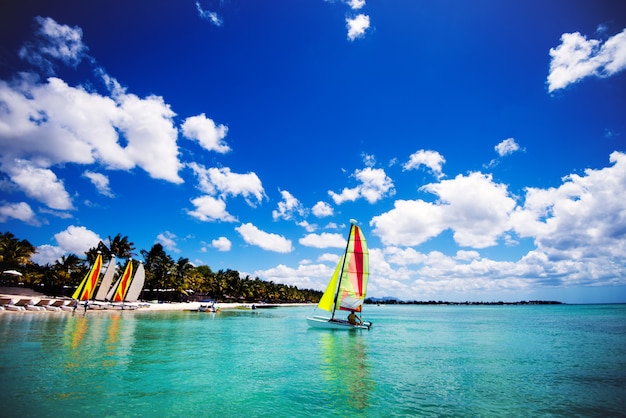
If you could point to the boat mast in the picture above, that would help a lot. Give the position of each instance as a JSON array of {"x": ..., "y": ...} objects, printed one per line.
[{"x": 343, "y": 265}]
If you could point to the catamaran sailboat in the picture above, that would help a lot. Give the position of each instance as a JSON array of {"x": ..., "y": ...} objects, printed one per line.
[
  {"x": 85, "y": 290},
  {"x": 127, "y": 289},
  {"x": 347, "y": 287}
]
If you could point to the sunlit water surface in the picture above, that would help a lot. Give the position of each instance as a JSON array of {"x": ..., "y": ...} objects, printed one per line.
[{"x": 415, "y": 361}]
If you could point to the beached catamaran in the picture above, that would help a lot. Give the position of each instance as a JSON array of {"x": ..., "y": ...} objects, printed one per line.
[
  {"x": 128, "y": 287},
  {"x": 347, "y": 287},
  {"x": 85, "y": 290},
  {"x": 107, "y": 279},
  {"x": 118, "y": 292},
  {"x": 136, "y": 286}
]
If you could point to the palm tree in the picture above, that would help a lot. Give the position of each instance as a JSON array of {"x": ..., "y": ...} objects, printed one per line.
[
  {"x": 14, "y": 253},
  {"x": 158, "y": 267},
  {"x": 70, "y": 270},
  {"x": 92, "y": 254},
  {"x": 121, "y": 247},
  {"x": 181, "y": 273}
]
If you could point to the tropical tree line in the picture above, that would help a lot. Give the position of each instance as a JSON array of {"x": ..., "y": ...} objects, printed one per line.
[{"x": 167, "y": 279}]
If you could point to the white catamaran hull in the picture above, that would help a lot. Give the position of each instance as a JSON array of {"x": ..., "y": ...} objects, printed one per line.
[{"x": 321, "y": 322}]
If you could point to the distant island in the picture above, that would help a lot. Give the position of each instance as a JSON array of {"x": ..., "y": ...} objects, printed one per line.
[{"x": 396, "y": 301}]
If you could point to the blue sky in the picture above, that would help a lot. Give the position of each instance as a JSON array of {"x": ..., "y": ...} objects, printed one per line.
[{"x": 480, "y": 145}]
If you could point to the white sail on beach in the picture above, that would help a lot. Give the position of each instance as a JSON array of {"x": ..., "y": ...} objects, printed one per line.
[
  {"x": 106, "y": 280},
  {"x": 136, "y": 285}
]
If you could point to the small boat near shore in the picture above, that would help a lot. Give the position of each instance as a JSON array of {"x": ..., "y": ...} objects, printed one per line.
[
  {"x": 212, "y": 308},
  {"x": 266, "y": 305}
]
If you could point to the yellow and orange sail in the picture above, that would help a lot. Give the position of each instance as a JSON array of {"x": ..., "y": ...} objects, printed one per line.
[
  {"x": 86, "y": 288},
  {"x": 124, "y": 283}
]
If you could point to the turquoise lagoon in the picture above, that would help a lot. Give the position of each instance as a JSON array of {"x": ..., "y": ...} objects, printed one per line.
[{"x": 487, "y": 361}]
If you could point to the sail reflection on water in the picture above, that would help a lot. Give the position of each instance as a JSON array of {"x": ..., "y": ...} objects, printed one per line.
[
  {"x": 346, "y": 368},
  {"x": 87, "y": 335}
]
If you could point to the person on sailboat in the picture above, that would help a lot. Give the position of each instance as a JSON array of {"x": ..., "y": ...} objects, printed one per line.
[{"x": 353, "y": 319}]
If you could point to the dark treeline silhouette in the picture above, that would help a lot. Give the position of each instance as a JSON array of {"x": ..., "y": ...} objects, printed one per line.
[
  {"x": 393, "y": 301},
  {"x": 167, "y": 279}
]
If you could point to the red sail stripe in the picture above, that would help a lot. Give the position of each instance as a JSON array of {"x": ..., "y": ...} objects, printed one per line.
[
  {"x": 120, "y": 293},
  {"x": 92, "y": 280},
  {"x": 358, "y": 252}
]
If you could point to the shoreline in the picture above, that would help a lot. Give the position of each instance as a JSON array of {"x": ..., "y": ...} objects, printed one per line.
[{"x": 31, "y": 298}]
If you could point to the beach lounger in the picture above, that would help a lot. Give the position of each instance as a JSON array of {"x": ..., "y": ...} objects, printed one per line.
[
  {"x": 9, "y": 305},
  {"x": 63, "y": 305},
  {"x": 68, "y": 306},
  {"x": 29, "y": 305},
  {"x": 47, "y": 305}
]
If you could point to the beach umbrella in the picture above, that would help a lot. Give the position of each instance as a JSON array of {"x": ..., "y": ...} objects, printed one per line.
[{"x": 12, "y": 272}]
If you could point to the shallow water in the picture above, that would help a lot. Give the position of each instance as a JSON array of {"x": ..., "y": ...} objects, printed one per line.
[{"x": 415, "y": 361}]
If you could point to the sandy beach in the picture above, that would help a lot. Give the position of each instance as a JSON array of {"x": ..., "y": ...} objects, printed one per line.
[{"x": 24, "y": 296}]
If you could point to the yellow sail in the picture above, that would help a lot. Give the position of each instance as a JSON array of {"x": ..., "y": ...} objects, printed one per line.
[
  {"x": 122, "y": 288},
  {"x": 88, "y": 285},
  {"x": 328, "y": 298}
]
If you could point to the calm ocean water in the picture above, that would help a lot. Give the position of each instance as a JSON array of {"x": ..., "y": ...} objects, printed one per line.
[{"x": 416, "y": 361}]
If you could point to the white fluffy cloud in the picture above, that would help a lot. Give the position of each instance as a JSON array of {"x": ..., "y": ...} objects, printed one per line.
[
  {"x": 210, "y": 209},
  {"x": 47, "y": 124},
  {"x": 53, "y": 123},
  {"x": 224, "y": 183},
  {"x": 584, "y": 217},
  {"x": 477, "y": 219},
  {"x": 77, "y": 240},
  {"x": 168, "y": 240},
  {"x": 305, "y": 276},
  {"x": 322, "y": 209},
  {"x": 507, "y": 147},
  {"x": 288, "y": 207},
  {"x": 578, "y": 57},
  {"x": 54, "y": 42},
  {"x": 323, "y": 240},
  {"x": 268, "y": 241},
  {"x": 39, "y": 183},
  {"x": 374, "y": 185},
  {"x": 47, "y": 254},
  {"x": 578, "y": 231},
  {"x": 21, "y": 211},
  {"x": 430, "y": 159},
  {"x": 100, "y": 181},
  {"x": 210, "y": 136},
  {"x": 222, "y": 244},
  {"x": 356, "y": 4},
  {"x": 357, "y": 26}
]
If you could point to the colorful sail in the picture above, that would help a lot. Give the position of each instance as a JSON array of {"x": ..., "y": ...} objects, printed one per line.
[
  {"x": 347, "y": 287},
  {"x": 88, "y": 285},
  {"x": 107, "y": 279},
  {"x": 355, "y": 273},
  {"x": 136, "y": 285},
  {"x": 124, "y": 283}
]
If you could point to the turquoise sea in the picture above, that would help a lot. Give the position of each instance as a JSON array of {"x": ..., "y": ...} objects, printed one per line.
[{"x": 476, "y": 361}]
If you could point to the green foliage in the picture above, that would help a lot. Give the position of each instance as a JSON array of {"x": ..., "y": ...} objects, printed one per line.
[{"x": 166, "y": 278}]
